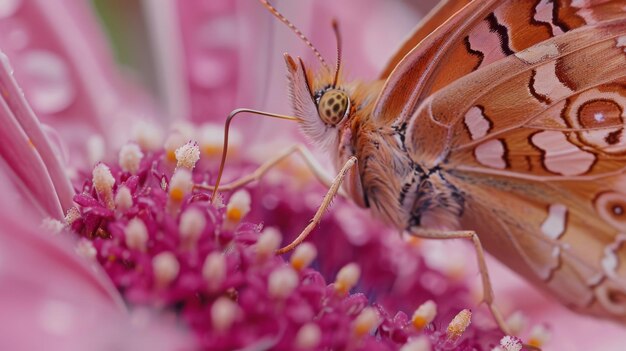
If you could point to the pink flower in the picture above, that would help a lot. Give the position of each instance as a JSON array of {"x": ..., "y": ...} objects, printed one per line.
[
  {"x": 54, "y": 299},
  {"x": 227, "y": 284}
]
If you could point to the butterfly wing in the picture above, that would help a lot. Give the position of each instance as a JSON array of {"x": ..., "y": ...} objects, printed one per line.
[
  {"x": 553, "y": 234},
  {"x": 541, "y": 132},
  {"x": 479, "y": 34},
  {"x": 441, "y": 13}
]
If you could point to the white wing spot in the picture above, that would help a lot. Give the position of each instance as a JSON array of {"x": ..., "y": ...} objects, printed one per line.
[
  {"x": 538, "y": 53},
  {"x": 477, "y": 123},
  {"x": 491, "y": 154},
  {"x": 621, "y": 42},
  {"x": 610, "y": 261},
  {"x": 599, "y": 117},
  {"x": 554, "y": 225},
  {"x": 561, "y": 156},
  {"x": 547, "y": 82}
]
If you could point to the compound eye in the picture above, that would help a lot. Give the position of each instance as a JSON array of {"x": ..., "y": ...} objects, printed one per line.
[{"x": 333, "y": 106}]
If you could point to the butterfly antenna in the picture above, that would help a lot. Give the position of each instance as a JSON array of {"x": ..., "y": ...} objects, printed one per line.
[
  {"x": 295, "y": 29},
  {"x": 226, "y": 132},
  {"x": 338, "y": 39}
]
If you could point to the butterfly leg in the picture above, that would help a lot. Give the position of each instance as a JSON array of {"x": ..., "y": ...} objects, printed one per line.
[
  {"x": 328, "y": 198},
  {"x": 488, "y": 297},
  {"x": 257, "y": 174}
]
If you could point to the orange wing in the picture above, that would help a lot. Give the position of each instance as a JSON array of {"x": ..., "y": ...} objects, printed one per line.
[
  {"x": 440, "y": 14},
  {"x": 540, "y": 132},
  {"x": 564, "y": 236},
  {"x": 479, "y": 34}
]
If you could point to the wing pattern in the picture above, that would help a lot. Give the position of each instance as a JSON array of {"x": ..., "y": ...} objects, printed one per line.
[{"x": 525, "y": 105}]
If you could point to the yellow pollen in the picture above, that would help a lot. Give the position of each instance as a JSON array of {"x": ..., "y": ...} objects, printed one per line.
[
  {"x": 361, "y": 329},
  {"x": 234, "y": 214},
  {"x": 341, "y": 287},
  {"x": 171, "y": 155},
  {"x": 111, "y": 258},
  {"x": 177, "y": 194},
  {"x": 535, "y": 342},
  {"x": 414, "y": 241},
  {"x": 365, "y": 322},
  {"x": 297, "y": 264},
  {"x": 419, "y": 322},
  {"x": 212, "y": 150}
]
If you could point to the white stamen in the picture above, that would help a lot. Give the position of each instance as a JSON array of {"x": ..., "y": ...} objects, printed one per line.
[
  {"x": 180, "y": 184},
  {"x": 509, "y": 343},
  {"x": 424, "y": 314},
  {"x": 95, "y": 149},
  {"x": 166, "y": 268},
  {"x": 103, "y": 181},
  {"x": 366, "y": 321},
  {"x": 173, "y": 142},
  {"x": 308, "y": 337},
  {"x": 192, "y": 223},
  {"x": 421, "y": 343},
  {"x": 214, "y": 270},
  {"x": 237, "y": 208},
  {"x": 86, "y": 249},
  {"x": 539, "y": 336},
  {"x": 211, "y": 140},
  {"x": 136, "y": 234},
  {"x": 72, "y": 215},
  {"x": 282, "y": 282},
  {"x": 516, "y": 322},
  {"x": 123, "y": 198},
  {"x": 184, "y": 129},
  {"x": 459, "y": 323},
  {"x": 303, "y": 255},
  {"x": 188, "y": 155},
  {"x": 268, "y": 242},
  {"x": 130, "y": 157},
  {"x": 224, "y": 313},
  {"x": 148, "y": 136},
  {"x": 347, "y": 277},
  {"x": 52, "y": 226}
]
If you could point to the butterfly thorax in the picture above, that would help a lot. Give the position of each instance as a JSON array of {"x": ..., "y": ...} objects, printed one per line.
[
  {"x": 390, "y": 180},
  {"x": 401, "y": 190}
]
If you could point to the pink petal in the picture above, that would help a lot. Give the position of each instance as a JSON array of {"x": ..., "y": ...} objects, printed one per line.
[
  {"x": 63, "y": 63},
  {"x": 215, "y": 56},
  {"x": 35, "y": 143},
  {"x": 52, "y": 300},
  {"x": 37, "y": 269},
  {"x": 25, "y": 163}
]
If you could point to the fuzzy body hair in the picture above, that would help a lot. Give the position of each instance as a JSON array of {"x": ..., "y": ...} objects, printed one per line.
[{"x": 388, "y": 181}]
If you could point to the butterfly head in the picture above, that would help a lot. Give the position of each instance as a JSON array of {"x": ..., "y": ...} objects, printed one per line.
[
  {"x": 322, "y": 106},
  {"x": 333, "y": 106}
]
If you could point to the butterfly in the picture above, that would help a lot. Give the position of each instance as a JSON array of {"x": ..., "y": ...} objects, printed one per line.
[{"x": 499, "y": 121}]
